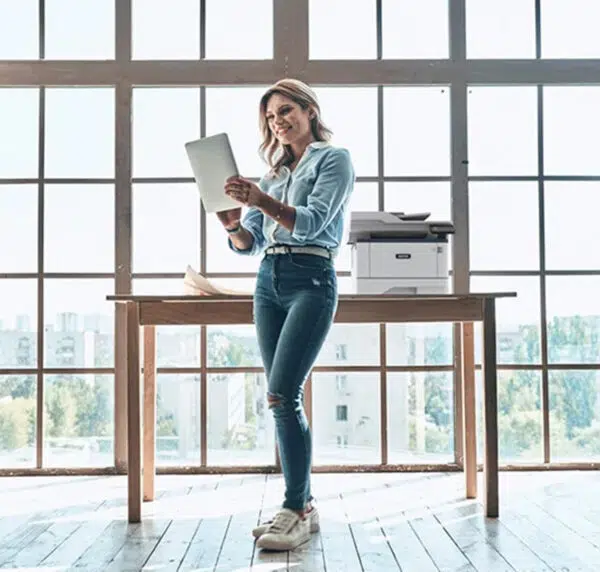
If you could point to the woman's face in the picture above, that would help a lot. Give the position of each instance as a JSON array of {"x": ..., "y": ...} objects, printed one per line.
[{"x": 287, "y": 120}]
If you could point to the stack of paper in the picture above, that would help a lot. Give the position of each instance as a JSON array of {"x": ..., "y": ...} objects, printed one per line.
[{"x": 195, "y": 284}]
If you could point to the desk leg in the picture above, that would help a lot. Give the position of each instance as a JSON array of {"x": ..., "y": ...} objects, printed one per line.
[
  {"x": 490, "y": 408},
  {"x": 468, "y": 404},
  {"x": 134, "y": 420},
  {"x": 149, "y": 446}
]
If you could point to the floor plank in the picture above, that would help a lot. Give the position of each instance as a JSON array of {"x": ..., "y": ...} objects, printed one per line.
[
  {"x": 361, "y": 506},
  {"x": 339, "y": 548},
  {"x": 205, "y": 546},
  {"x": 549, "y": 522}
]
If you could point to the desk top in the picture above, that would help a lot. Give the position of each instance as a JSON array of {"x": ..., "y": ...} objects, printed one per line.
[{"x": 342, "y": 297}]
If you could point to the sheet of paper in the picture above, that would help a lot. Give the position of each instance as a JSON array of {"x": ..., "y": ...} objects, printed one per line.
[{"x": 196, "y": 284}]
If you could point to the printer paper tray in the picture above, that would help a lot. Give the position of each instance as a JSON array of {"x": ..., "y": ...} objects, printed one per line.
[{"x": 389, "y": 260}]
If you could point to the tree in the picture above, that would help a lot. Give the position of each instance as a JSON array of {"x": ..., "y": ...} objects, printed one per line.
[
  {"x": 573, "y": 394},
  {"x": 226, "y": 350},
  {"x": 17, "y": 423}
]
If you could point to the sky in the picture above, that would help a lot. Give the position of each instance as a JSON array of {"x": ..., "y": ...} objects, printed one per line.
[{"x": 502, "y": 134}]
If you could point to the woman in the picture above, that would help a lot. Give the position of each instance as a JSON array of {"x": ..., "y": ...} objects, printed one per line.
[{"x": 296, "y": 218}]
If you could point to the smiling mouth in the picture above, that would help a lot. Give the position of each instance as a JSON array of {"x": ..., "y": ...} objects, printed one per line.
[{"x": 281, "y": 132}]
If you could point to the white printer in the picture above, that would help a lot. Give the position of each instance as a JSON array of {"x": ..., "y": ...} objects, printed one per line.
[{"x": 398, "y": 253}]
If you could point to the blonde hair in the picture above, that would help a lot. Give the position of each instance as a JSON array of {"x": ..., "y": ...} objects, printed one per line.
[{"x": 271, "y": 150}]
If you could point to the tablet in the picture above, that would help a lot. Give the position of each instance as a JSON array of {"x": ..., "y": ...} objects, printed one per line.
[{"x": 212, "y": 162}]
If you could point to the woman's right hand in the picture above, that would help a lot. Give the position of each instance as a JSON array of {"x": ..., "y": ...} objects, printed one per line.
[{"x": 230, "y": 218}]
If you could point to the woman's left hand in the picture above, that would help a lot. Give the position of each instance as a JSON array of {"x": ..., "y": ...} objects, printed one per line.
[{"x": 244, "y": 191}]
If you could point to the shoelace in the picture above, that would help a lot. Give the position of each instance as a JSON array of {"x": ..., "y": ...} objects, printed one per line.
[{"x": 282, "y": 522}]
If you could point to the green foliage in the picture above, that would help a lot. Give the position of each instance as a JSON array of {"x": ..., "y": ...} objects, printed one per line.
[
  {"x": 74, "y": 407},
  {"x": 17, "y": 423},
  {"x": 574, "y": 396},
  {"x": 78, "y": 407}
]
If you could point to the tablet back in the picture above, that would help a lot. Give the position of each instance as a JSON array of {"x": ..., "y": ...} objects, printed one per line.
[{"x": 212, "y": 162}]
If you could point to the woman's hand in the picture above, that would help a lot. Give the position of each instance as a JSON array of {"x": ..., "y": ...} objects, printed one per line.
[
  {"x": 230, "y": 218},
  {"x": 244, "y": 191}
]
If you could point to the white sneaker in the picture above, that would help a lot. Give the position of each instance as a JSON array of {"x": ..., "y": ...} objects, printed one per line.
[
  {"x": 312, "y": 517},
  {"x": 286, "y": 532}
]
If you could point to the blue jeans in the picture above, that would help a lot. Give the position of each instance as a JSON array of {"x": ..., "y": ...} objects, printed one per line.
[{"x": 294, "y": 304}]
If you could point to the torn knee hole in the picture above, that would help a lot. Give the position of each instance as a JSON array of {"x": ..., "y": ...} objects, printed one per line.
[{"x": 273, "y": 400}]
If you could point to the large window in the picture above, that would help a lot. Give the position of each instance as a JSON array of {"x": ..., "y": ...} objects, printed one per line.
[
  {"x": 532, "y": 193},
  {"x": 97, "y": 196}
]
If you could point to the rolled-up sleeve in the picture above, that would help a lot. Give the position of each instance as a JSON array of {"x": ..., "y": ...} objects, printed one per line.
[
  {"x": 252, "y": 221},
  {"x": 331, "y": 189}
]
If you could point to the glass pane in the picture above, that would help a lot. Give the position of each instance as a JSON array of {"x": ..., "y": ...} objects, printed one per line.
[
  {"x": 224, "y": 34},
  {"x": 500, "y": 29},
  {"x": 80, "y": 132},
  {"x": 162, "y": 30},
  {"x": 365, "y": 197},
  {"x": 164, "y": 119},
  {"x": 354, "y": 35},
  {"x": 176, "y": 346},
  {"x": 234, "y": 110},
  {"x": 18, "y": 406},
  {"x": 19, "y": 117},
  {"x": 19, "y": 30},
  {"x": 219, "y": 257},
  {"x": 359, "y": 136},
  {"x": 346, "y": 285},
  {"x": 79, "y": 415},
  {"x": 346, "y": 419},
  {"x": 79, "y": 228},
  {"x": 233, "y": 346},
  {"x": 78, "y": 323},
  {"x": 166, "y": 240},
  {"x": 420, "y": 417},
  {"x": 19, "y": 228},
  {"x": 517, "y": 319},
  {"x": 80, "y": 29},
  {"x": 419, "y": 197},
  {"x": 433, "y": 197},
  {"x": 570, "y": 29},
  {"x": 240, "y": 430},
  {"x": 18, "y": 324},
  {"x": 571, "y": 225},
  {"x": 503, "y": 131},
  {"x": 178, "y": 420},
  {"x": 416, "y": 30},
  {"x": 419, "y": 344},
  {"x": 350, "y": 345},
  {"x": 417, "y": 131},
  {"x": 519, "y": 417},
  {"x": 491, "y": 205},
  {"x": 571, "y": 130},
  {"x": 572, "y": 314},
  {"x": 574, "y": 416}
]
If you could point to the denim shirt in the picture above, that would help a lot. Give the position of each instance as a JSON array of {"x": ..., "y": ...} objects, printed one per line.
[{"x": 319, "y": 189}]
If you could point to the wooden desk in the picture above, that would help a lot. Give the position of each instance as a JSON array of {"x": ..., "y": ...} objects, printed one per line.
[{"x": 220, "y": 310}]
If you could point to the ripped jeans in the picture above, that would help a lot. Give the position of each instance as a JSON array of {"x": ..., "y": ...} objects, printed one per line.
[{"x": 294, "y": 304}]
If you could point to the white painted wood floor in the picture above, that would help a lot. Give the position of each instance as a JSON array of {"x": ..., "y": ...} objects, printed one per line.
[{"x": 369, "y": 522}]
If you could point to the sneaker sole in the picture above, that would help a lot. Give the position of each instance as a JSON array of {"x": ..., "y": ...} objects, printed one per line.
[{"x": 267, "y": 543}]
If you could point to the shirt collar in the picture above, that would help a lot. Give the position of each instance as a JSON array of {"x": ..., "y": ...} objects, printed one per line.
[
  {"x": 318, "y": 144},
  {"x": 309, "y": 147}
]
